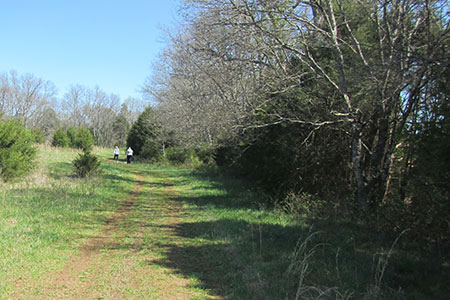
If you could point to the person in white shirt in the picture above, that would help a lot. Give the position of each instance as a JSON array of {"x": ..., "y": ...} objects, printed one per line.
[
  {"x": 129, "y": 155},
  {"x": 116, "y": 153}
]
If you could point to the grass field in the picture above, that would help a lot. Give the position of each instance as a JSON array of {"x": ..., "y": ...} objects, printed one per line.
[{"x": 151, "y": 232}]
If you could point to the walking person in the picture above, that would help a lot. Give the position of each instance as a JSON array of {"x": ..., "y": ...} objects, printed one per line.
[
  {"x": 129, "y": 155},
  {"x": 116, "y": 153}
]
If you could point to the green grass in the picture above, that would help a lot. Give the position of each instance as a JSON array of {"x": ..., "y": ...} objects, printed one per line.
[
  {"x": 242, "y": 251},
  {"x": 44, "y": 217},
  {"x": 188, "y": 228}
]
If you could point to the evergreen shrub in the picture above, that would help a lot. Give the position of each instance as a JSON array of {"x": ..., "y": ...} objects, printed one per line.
[
  {"x": 176, "y": 155},
  {"x": 150, "y": 151},
  {"x": 60, "y": 138},
  {"x": 16, "y": 150},
  {"x": 38, "y": 136},
  {"x": 86, "y": 164},
  {"x": 80, "y": 138},
  {"x": 84, "y": 139},
  {"x": 144, "y": 134},
  {"x": 72, "y": 134}
]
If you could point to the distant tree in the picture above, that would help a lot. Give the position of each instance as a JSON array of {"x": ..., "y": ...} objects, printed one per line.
[
  {"x": 84, "y": 139},
  {"x": 145, "y": 130},
  {"x": 49, "y": 123},
  {"x": 131, "y": 109},
  {"x": 16, "y": 150},
  {"x": 73, "y": 104},
  {"x": 60, "y": 138},
  {"x": 120, "y": 128},
  {"x": 72, "y": 134},
  {"x": 101, "y": 112},
  {"x": 5, "y": 94},
  {"x": 25, "y": 97},
  {"x": 93, "y": 108}
]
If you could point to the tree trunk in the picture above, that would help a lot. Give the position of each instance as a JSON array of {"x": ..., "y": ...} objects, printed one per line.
[{"x": 361, "y": 196}]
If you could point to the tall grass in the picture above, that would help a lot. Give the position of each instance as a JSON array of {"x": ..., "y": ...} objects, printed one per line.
[{"x": 43, "y": 216}]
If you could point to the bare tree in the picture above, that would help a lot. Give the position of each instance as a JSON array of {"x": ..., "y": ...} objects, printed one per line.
[
  {"x": 72, "y": 105},
  {"x": 374, "y": 58},
  {"x": 25, "y": 97},
  {"x": 5, "y": 93},
  {"x": 200, "y": 95},
  {"x": 131, "y": 108},
  {"x": 101, "y": 113},
  {"x": 93, "y": 109}
]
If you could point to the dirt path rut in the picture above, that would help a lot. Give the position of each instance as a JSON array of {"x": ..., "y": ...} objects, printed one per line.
[{"x": 121, "y": 262}]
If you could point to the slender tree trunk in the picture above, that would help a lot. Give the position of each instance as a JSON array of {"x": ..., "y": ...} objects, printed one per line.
[
  {"x": 356, "y": 128},
  {"x": 361, "y": 196}
]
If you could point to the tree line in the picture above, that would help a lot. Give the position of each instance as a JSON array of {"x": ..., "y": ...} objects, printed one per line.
[
  {"x": 338, "y": 107},
  {"x": 34, "y": 102}
]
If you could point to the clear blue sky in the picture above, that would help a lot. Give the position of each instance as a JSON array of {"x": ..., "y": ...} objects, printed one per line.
[{"x": 107, "y": 43}]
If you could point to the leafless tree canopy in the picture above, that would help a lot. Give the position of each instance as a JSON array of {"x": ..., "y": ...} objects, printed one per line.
[
  {"x": 26, "y": 97},
  {"x": 374, "y": 59},
  {"x": 33, "y": 100}
]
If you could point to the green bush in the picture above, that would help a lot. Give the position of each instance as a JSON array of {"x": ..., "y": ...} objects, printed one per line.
[
  {"x": 194, "y": 161},
  {"x": 72, "y": 134},
  {"x": 191, "y": 157},
  {"x": 150, "y": 151},
  {"x": 80, "y": 138},
  {"x": 38, "y": 136},
  {"x": 177, "y": 155},
  {"x": 60, "y": 138},
  {"x": 302, "y": 203},
  {"x": 86, "y": 164},
  {"x": 144, "y": 134},
  {"x": 16, "y": 150},
  {"x": 206, "y": 154},
  {"x": 84, "y": 139}
]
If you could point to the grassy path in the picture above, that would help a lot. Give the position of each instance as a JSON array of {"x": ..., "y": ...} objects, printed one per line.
[
  {"x": 139, "y": 232},
  {"x": 119, "y": 257},
  {"x": 120, "y": 263},
  {"x": 147, "y": 232},
  {"x": 80, "y": 277}
]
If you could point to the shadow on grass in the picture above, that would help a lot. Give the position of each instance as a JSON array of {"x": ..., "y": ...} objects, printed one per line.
[
  {"x": 61, "y": 170},
  {"x": 220, "y": 201},
  {"x": 239, "y": 259},
  {"x": 234, "y": 259}
]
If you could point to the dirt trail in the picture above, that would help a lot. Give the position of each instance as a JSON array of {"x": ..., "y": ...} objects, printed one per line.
[
  {"x": 116, "y": 264},
  {"x": 79, "y": 274}
]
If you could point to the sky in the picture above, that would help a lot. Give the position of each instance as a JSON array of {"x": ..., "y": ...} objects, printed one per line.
[{"x": 111, "y": 44}]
